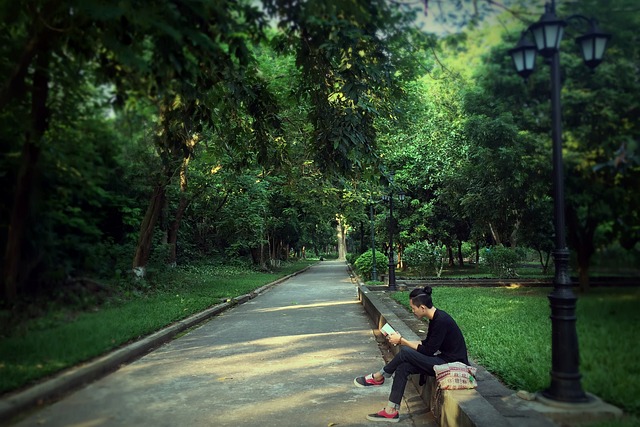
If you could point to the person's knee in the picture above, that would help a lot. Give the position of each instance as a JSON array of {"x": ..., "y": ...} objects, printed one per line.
[
  {"x": 405, "y": 350},
  {"x": 404, "y": 354},
  {"x": 404, "y": 369}
]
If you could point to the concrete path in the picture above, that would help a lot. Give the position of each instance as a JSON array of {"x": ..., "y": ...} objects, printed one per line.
[{"x": 285, "y": 358}]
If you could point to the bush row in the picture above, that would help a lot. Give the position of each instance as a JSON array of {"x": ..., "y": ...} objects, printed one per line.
[{"x": 429, "y": 259}]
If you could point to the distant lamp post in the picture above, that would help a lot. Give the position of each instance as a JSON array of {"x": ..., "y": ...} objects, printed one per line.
[
  {"x": 547, "y": 34},
  {"x": 374, "y": 272},
  {"x": 392, "y": 260}
]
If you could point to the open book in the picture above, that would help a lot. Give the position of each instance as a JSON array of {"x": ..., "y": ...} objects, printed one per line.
[{"x": 387, "y": 330}]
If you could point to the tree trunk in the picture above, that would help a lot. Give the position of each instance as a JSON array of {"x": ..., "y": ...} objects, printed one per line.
[
  {"x": 143, "y": 250},
  {"x": 583, "y": 269},
  {"x": 450, "y": 254},
  {"x": 460, "y": 259},
  {"x": 37, "y": 46},
  {"x": 18, "y": 221},
  {"x": 26, "y": 177},
  {"x": 581, "y": 237},
  {"x": 544, "y": 260},
  {"x": 342, "y": 239},
  {"x": 172, "y": 232},
  {"x": 494, "y": 234},
  {"x": 513, "y": 239},
  {"x": 274, "y": 252}
]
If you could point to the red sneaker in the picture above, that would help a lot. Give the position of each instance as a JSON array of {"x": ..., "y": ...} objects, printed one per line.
[
  {"x": 384, "y": 416},
  {"x": 367, "y": 381}
]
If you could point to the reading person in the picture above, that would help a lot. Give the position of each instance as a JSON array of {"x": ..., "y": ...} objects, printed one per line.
[{"x": 444, "y": 344}]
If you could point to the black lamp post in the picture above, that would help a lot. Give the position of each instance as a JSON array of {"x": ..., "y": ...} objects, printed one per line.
[
  {"x": 374, "y": 272},
  {"x": 547, "y": 32},
  {"x": 392, "y": 261}
]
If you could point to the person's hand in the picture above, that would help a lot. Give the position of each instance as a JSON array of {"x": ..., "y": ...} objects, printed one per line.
[{"x": 394, "y": 338}]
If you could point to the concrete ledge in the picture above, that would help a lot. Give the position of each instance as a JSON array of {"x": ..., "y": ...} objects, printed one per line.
[{"x": 463, "y": 408}]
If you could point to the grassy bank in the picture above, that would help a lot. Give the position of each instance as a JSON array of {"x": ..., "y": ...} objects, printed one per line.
[
  {"x": 508, "y": 331},
  {"x": 63, "y": 336}
]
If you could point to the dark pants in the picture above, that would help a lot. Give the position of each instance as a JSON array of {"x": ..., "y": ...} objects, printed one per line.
[{"x": 407, "y": 362}]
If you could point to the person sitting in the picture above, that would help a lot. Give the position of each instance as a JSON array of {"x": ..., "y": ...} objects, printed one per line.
[{"x": 444, "y": 343}]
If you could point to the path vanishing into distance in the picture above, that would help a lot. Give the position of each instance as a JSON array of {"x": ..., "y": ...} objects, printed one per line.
[{"x": 285, "y": 358}]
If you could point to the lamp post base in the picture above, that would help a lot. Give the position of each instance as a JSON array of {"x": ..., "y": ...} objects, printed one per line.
[
  {"x": 588, "y": 401},
  {"x": 565, "y": 413}
]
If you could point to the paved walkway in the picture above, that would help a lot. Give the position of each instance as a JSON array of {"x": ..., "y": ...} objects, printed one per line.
[{"x": 285, "y": 358}]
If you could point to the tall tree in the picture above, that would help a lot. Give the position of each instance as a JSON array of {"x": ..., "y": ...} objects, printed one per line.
[
  {"x": 40, "y": 42},
  {"x": 140, "y": 48},
  {"x": 352, "y": 60}
]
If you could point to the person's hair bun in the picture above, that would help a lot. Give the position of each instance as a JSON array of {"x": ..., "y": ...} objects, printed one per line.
[{"x": 427, "y": 290}]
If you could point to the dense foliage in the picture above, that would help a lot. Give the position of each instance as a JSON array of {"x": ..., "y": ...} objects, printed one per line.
[
  {"x": 138, "y": 137},
  {"x": 501, "y": 261},
  {"x": 364, "y": 264},
  {"x": 425, "y": 257},
  {"x": 473, "y": 151}
]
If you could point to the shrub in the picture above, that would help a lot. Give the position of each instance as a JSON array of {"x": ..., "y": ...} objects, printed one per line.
[
  {"x": 425, "y": 257},
  {"x": 468, "y": 250},
  {"x": 351, "y": 257},
  {"x": 364, "y": 264},
  {"x": 501, "y": 261}
]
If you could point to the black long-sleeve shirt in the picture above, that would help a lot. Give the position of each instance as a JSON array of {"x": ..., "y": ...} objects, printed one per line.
[{"x": 444, "y": 335}]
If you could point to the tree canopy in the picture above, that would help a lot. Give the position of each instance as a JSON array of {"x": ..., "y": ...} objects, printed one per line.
[{"x": 167, "y": 132}]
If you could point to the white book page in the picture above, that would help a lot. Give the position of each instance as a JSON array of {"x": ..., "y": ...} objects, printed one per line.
[{"x": 387, "y": 329}]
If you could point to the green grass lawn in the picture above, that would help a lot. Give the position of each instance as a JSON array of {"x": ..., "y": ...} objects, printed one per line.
[
  {"x": 508, "y": 331},
  {"x": 62, "y": 337}
]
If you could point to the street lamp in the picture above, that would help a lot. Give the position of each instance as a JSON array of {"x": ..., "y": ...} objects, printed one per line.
[
  {"x": 374, "y": 273},
  {"x": 392, "y": 261},
  {"x": 547, "y": 32},
  {"x": 524, "y": 56}
]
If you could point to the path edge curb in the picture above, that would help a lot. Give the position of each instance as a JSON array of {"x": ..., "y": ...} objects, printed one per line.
[{"x": 71, "y": 379}]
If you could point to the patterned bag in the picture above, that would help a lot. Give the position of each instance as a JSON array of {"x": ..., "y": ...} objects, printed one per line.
[{"x": 455, "y": 376}]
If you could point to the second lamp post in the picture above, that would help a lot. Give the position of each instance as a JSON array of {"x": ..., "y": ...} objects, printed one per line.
[{"x": 392, "y": 259}]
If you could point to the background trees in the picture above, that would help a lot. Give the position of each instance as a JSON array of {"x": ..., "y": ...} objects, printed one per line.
[
  {"x": 475, "y": 154},
  {"x": 137, "y": 136}
]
